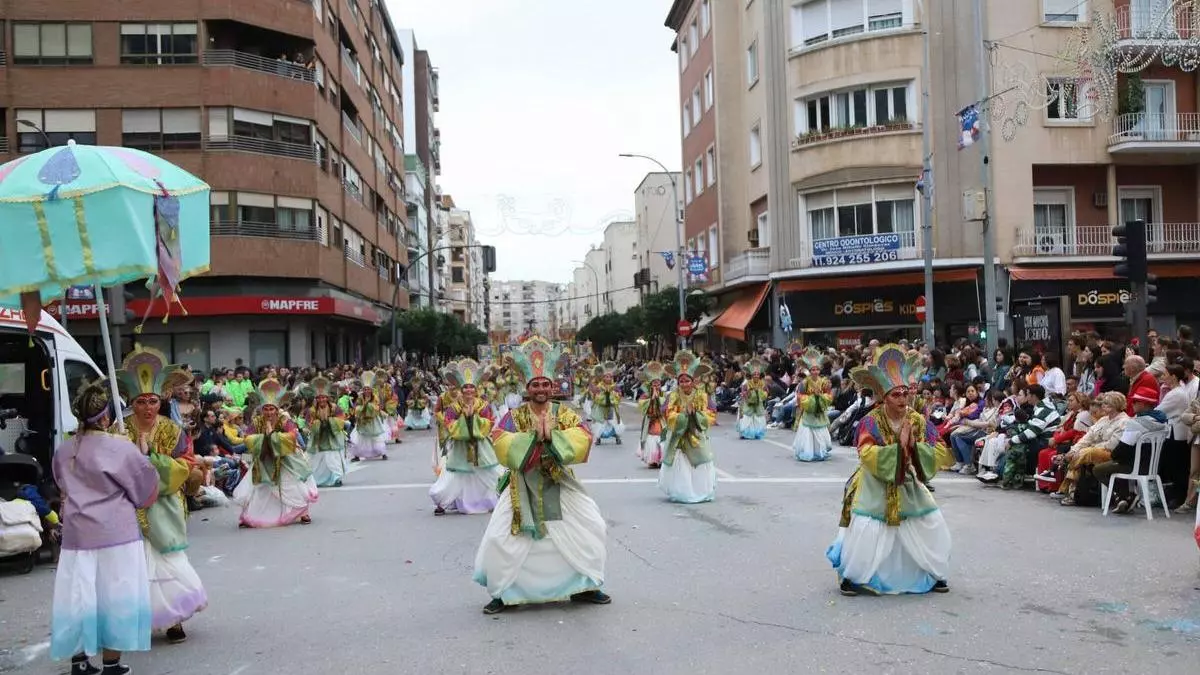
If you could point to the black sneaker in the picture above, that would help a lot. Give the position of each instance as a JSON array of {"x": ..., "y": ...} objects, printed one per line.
[
  {"x": 82, "y": 666},
  {"x": 594, "y": 597},
  {"x": 495, "y": 606},
  {"x": 116, "y": 669},
  {"x": 941, "y": 587},
  {"x": 175, "y": 634},
  {"x": 385, "y": 456},
  {"x": 439, "y": 511},
  {"x": 851, "y": 589}
]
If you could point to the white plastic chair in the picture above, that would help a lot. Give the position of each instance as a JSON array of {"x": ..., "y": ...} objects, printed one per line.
[{"x": 1155, "y": 440}]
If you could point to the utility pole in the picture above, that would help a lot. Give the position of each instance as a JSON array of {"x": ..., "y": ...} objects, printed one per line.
[
  {"x": 927, "y": 179},
  {"x": 776, "y": 138},
  {"x": 983, "y": 72}
]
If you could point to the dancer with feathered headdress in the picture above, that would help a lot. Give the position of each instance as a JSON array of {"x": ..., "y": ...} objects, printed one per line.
[
  {"x": 325, "y": 435},
  {"x": 418, "y": 416},
  {"x": 468, "y": 475},
  {"x": 752, "y": 408},
  {"x": 369, "y": 438},
  {"x": 653, "y": 406},
  {"x": 688, "y": 474},
  {"x": 892, "y": 536},
  {"x": 606, "y": 406},
  {"x": 281, "y": 486},
  {"x": 812, "y": 442}
]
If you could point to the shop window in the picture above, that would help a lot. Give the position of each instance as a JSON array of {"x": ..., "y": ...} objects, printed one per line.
[{"x": 268, "y": 348}]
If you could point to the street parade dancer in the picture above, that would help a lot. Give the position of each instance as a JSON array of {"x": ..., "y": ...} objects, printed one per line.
[
  {"x": 511, "y": 387},
  {"x": 101, "y": 599},
  {"x": 176, "y": 592},
  {"x": 606, "y": 408},
  {"x": 688, "y": 474},
  {"x": 325, "y": 435},
  {"x": 419, "y": 415},
  {"x": 892, "y": 537},
  {"x": 581, "y": 379},
  {"x": 653, "y": 407},
  {"x": 752, "y": 409},
  {"x": 441, "y": 404},
  {"x": 490, "y": 393},
  {"x": 368, "y": 440},
  {"x": 281, "y": 486},
  {"x": 812, "y": 442},
  {"x": 709, "y": 384},
  {"x": 545, "y": 541},
  {"x": 389, "y": 404},
  {"x": 467, "y": 482}
]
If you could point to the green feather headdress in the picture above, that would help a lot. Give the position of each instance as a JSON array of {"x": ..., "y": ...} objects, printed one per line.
[
  {"x": 145, "y": 371},
  {"x": 536, "y": 357},
  {"x": 891, "y": 368},
  {"x": 687, "y": 363},
  {"x": 463, "y": 372}
]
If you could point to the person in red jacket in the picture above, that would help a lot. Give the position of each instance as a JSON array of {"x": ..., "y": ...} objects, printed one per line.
[
  {"x": 1139, "y": 378},
  {"x": 1082, "y": 411}
]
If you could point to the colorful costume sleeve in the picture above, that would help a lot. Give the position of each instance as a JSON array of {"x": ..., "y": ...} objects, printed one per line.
[
  {"x": 480, "y": 425},
  {"x": 283, "y": 442},
  {"x": 512, "y": 446},
  {"x": 571, "y": 441},
  {"x": 880, "y": 458},
  {"x": 172, "y": 473}
]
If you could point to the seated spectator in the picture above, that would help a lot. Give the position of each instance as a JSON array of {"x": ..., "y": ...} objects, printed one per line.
[
  {"x": 965, "y": 408},
  {"x": 1027, "y": 438},
  {"x": 1146, "y": 419},
  {"x": 1176, "y": 453},
  {"x": 993, "y": 445},
  {"x": 1082, "y": 412},
  {"x": 963, "y": 437},
  {"x": 1096, "y": 446}
]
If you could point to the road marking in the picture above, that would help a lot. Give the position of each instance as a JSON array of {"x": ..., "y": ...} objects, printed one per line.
[
  {"x": 725, "y": 475},
  {"x": 790, "y": 480}
]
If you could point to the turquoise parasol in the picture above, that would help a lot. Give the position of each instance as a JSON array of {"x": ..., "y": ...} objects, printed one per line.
[{"x": 76, "y": 215}]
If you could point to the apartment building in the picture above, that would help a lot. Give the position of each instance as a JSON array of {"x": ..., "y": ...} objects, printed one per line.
[
  {"x": 290, "y": 110},
  {"x": 655, "y": 208},
  {"x": 622, "y": 261},
  {"x": 849, "y": 265},
  {"x": 422, "y": 166},
  {"x": 520, "y": 306},
  {"x": 465, "y": 293}
]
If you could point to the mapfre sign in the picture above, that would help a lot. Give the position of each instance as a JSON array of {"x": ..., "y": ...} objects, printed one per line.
[{"x": 292, "y": 305}]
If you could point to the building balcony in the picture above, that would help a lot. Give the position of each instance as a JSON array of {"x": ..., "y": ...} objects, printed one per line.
[
  {"x": 259, "y": 146},
  {"x": 236, "y": 59},
  {"x": 839, "y": 133},
  {"x": 3, "y": 145},
  {"x": 3, "y": 58},
  {"x": 752, "y": 263},
  {"x": 1096, "y": 241},
  {"x": 229, "y": 228},
  {"x": 870, "y": 249},
  {"x": 354, "y": 255},
  {"x": 1141, "y": 28},
  {"x": 1155, "y": 133}
]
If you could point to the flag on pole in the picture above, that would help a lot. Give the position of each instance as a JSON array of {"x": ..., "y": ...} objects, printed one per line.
[
  {"x": 968, "y": 119},
  {"x": 668, "y": 258}
]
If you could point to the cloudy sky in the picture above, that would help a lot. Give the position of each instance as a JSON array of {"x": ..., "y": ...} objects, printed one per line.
[{"x": 537, "y": 98}]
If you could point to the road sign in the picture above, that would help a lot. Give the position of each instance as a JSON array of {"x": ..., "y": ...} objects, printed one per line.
[
  {"x": 684, "y": 328},
  {"x": 921, "y": 308}
]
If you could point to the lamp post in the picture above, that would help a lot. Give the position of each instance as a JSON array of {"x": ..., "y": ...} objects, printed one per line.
[
  {"x": 595, "y": 280},
  {"x": 679, "y": 261}
]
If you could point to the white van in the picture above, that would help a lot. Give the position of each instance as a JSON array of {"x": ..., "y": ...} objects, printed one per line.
[{"x": 38, "y": 379}]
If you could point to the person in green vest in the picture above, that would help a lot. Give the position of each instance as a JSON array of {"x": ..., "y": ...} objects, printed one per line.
[{"x": 239, "y": 388}]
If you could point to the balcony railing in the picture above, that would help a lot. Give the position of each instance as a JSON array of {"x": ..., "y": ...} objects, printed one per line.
[
  {"x": 1158, "y": 23},
  {"x": 352, "y": 66},
  {"x": 1145, "y": 130},
  {"x": 384, "y": 272},
  {"x": 352, "y": 127},
  {"x": 3, "y": 58},
  {"x": 259, "y": 146},
  {"x": 755, "y": 262},
  {"x": 229, "y": 228},
  {"x": 1097, "y": 240},
  {"x": 354, "y": 255},
  {"x": 230, "y": 57},
  {"x": 3, "y": 145},
  {"x": 817, "y": 136}
]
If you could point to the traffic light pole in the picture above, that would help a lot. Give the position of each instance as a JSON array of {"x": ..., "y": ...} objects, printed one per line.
[{"x": 1130, "y": 252}]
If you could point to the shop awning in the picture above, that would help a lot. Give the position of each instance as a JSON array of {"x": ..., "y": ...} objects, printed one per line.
[
  {"x": 874, "y": 281},
  {"x": 733, "y": 321},
  {"x": 1101, "y": 272},
  {"x": 702, "y": 325}
]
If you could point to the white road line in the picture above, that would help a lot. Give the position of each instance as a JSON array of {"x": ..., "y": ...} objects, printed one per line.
[
  {"x": 791, "y": 480},
  {"x": 725, "y": 475}
]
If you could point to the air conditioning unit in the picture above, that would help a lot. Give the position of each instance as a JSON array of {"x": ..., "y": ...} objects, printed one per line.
[
  {"x": 752, "y": 236},
  {"x": 1100, "y": 200},
  {"x": 1051, "y": 243}
]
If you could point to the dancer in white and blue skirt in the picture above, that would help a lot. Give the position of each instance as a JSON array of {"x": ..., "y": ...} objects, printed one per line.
[
  {"x": 688, "y": 474},
  {"x": 752, "y": 409},
  {"x": 812, "y": 442}
]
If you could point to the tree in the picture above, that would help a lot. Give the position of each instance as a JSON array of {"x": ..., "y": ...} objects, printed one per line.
[
  {"x": 661, "y": 312},
  {"x": 607, "y": 330},
  {"x": 427, "y": 331}
]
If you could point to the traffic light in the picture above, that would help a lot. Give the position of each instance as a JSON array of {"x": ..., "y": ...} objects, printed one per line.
[
  {"x": 1131, "y": 251},
  {"x": 982, "y": 333},
  {"x": 118, "y": 306},
  {"x": 1151, "y": 288},
  {"x": 489, "y": 259}
]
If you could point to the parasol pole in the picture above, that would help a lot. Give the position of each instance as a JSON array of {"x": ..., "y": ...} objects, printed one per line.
[{"x": 108, "y": 358}]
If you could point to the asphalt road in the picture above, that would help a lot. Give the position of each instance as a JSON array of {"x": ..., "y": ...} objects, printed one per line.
[{"x": 378, "y": 585}]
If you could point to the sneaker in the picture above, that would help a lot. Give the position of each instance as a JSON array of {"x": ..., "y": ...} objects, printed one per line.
[
  {"x": 1123, "y": 506},
  {"x": 1185, "y": 509},
  {"x": 495, "y": 606},
  {"x": 941, "y": 587},
  {"x": 439, "y": 511},
  {"x": 958, "y": 466},
  {"x": 116, "y": 669},
  {"x": 851, "y": 589},
  {"x": 596, "y": 597},
  {"x": 175, "y": 634},
  {"x": 966, "y": 470},
  {"x": 82, "y": 666},
  {"x": 988, "y": 476}
]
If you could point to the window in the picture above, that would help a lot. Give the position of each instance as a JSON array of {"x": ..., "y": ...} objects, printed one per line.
[
  {"x": 1065, "y": 11},
  {"x": 687, "y": 186},
  {"x": 1052, "y": 216},
  {"x": 697, "y": 113},
  {"x": 268, "y": 348},
  {"x": 456, "y": 274},
  {"x": 714, "y": 248},
  {"x": 879, "y": 209},
  {"x": 60, "y": 126},
  {"x": 710, "y": 161},
  {"x": 683, "y": 54},
  {"x": 219, "y": 210},
  {"x": 152, "y": 129},
  {"x": 708, "y": 89},
  {"x": 158, "y": 43},
  {"x": 687, "y": 121},
  {"x": 192, "y": 350},
  {"x": 52, "y": 44},
  {"x": 755, "y": 146},
  {"x": 752, "y": 63},
  {"x": 876, "y": 105},
  {"x": 1068, "y": 99},
  {"x": 698, "y": 173},
  {"x": 763, "y": 224},
  {"x": 818, "y": 21},
  {"x": 693, "y": 38},
  {"x": 705, "y": 16},
  {"x": 294, "y": 217}
]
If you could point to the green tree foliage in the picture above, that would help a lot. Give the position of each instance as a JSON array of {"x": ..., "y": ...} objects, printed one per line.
[
  {"x": 427, "y": 331},
  {"x": 654, "y": 320}
]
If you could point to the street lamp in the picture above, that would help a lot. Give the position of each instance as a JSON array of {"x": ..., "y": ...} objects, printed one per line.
[
  {"x": 679, "y": 260},
  {"x": 595, "y": 280}
]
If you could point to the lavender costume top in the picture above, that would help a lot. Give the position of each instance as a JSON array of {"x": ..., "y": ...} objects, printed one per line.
[{"x": 108, "y": 479}]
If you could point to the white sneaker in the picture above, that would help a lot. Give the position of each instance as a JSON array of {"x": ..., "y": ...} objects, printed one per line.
[
  {"x": 958, "y": 466},
  {"x": 988, "y": 476}
]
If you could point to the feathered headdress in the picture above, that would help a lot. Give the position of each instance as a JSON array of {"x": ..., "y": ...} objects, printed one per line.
[
  {"x": 653, "y": 372},
  {"x": 367, "y": 379},
  {"x": 686, "y": 363},
  {"x": 462, "y": 372},
  {"x": 536, "y": 357},
  {"x": 145, "y": 371},
  {"x": 755, "y": 366},
  {"x": 606, "y": 368},
  {"x": 890, "y": 368},
  {"x": 322, "y": 386},
  {"x": 272, "y": 392}
]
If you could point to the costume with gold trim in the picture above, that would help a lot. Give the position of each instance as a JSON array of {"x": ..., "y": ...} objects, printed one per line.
[
  {"x": 281, "y": 486},
  {"x": 419, "y": 415},
  {"x": 368, "y": 439},
  {"x": 325, "y": 435},
  {"x": 688, "y": 474},
  {"x": 812, "y": 442},
  {"x": 468, "y": 469},
  {"x": 606, "y": 404},
  {"x": 653, "y": 406},
  {"x": 752, "y": 406}
]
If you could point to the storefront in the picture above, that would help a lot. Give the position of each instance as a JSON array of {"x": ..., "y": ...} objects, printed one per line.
[
  {"x": 1097, "y": 301},
  {"x": 848, "y": 311},
  {"x": 744, "y": 318},
  {"x": 257, "y": 330}
]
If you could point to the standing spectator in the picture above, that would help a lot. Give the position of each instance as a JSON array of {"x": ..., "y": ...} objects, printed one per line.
[{"x": 1052, "y": 377}]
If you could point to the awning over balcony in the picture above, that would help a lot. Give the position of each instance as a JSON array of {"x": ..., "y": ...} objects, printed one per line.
[
  {"x": 874, "y": 281},
  {"x": 1097, "y": 272},
  {"x": 733, "y": 321}
]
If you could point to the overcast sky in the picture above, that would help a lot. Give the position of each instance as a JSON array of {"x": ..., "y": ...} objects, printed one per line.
[{"x": 537, "y": 97}]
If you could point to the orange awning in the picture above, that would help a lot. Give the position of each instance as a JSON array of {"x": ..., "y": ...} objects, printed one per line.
[
  {"x": 733, "y": 321},
  {"x": 874, "y": 281},
  {"x": 1093, "y": 273}
]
